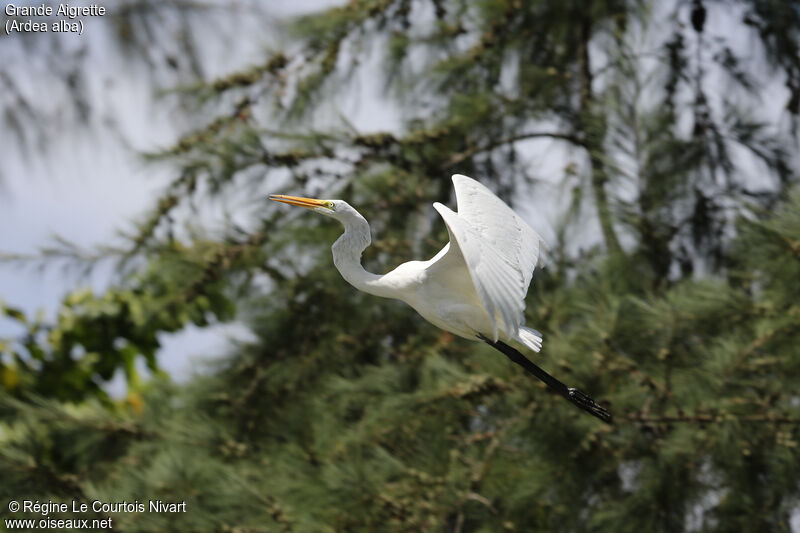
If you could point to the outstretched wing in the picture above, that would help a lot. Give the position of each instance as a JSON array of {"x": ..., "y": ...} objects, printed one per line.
[
  {"x": 499, "y": 225},
  {"x": 497, "y": 282},
  {"x": 500, "y": 251}
]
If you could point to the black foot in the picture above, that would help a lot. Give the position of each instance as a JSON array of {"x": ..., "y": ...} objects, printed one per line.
[{"x": 585, "y": 402}]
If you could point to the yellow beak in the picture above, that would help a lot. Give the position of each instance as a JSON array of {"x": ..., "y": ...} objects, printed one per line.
[{"x": 310, "y": 203}]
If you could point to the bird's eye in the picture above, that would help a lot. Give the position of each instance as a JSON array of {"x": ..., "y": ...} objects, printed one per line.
[{"x": 329, "y": 205}]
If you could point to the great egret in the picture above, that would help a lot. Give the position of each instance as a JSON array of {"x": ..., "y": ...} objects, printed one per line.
[{"x": 474, "y": 287}]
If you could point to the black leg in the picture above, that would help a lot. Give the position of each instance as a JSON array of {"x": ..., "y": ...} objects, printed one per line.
[{"x": 579, "y": 398}]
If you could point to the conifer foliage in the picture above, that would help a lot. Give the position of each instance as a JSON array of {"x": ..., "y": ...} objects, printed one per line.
[{"x": 680, "y": 309}]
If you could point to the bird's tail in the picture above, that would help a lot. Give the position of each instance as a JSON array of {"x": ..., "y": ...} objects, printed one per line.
[{"x": 530, "y": 338}]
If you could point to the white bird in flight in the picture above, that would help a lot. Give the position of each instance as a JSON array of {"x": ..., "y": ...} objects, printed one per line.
[{"x": 474, "y": 287}]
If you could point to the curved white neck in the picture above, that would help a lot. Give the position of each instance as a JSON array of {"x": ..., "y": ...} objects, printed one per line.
[{"x": 347, "y": 252}]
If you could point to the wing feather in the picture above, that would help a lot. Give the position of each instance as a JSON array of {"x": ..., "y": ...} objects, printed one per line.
[
  {"x": 497, "y": 282},
  {"x": 499, "y": 248},
  {"x": 496, "y": 222}
]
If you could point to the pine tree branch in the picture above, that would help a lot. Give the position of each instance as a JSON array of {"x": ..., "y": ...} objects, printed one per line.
[
  {"x": 470, "y": 152},
  {"x": 599, "y": 176},
  {"x": 700, "y": 418},
  {"x": 758, "y": 342},
  {"x": 49, "y": 411},
  {"x": 67, "y": 484},
  {"x": 496, "y": 437},
  {"x": 273, "y": 508},
  {"x": 663, "y": 389},
  {"x": 633, "y": 368}
]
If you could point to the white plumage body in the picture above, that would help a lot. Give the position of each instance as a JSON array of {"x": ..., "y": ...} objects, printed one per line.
[{"x": 476, "y": 285}]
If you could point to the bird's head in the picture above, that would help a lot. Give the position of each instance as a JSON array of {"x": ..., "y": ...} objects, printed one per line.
[
  {"x": 356, "y": 235},
  {"x": 338, "y": 209}
]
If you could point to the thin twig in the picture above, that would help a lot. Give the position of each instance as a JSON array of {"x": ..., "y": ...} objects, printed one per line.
[
  {"x": 706, "y": 419},
  {"x": 466, "y": 154}
]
